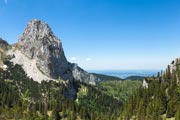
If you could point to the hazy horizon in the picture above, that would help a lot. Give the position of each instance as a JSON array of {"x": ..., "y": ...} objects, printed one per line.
[
  {"x": 126, "y": 73},
  {"x": 105, "y": 35}
]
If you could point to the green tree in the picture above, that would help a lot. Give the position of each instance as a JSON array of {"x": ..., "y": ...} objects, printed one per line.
[{"x": 177, "y": 115}]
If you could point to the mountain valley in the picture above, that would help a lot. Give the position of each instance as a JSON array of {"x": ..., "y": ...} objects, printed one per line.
[{"x": 38, "y": 83}]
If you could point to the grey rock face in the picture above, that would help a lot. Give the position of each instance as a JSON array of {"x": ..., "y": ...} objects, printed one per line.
[
  {"x": 173, "y": 70},
  {"x": 70, "y": 91},
  {"x": 83, "y": 76},
  {"x": 172, "y": 67},
  {"x": 38, "y": 42}
]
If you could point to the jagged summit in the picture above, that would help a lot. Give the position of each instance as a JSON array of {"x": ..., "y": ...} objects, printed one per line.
[
  {"x": 38, "y": 42},
  {"x": 42, "y": 57},
  {"x": 38, "y": 28},
  {"x": 38, "y": 31}
]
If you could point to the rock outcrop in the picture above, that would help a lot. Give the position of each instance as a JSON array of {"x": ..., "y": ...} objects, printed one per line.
[
  {"x": 173, "y": 70},
  {"x": 173, "y": 65},
  {"x": 81, "y": 75},
  {"x": 29, "y": 66},
  {"x": 41, "y": 55},
  {"x": 39, "y": 43}
]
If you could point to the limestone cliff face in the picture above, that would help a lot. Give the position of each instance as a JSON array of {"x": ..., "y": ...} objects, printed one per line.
[
  {"x": 38, "y": 42},
  {"x": 173, "y": 66},
  {"x": 44, "y": 49},
  {"x": 173, "y": 70},
  {"x": 83, "y": 76}
]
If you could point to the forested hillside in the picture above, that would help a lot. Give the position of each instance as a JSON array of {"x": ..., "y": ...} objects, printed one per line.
[
  {"x": 119, "y": 89},
  {"x": 159, "y": 101},
  {"x": 23, "y": 98}
]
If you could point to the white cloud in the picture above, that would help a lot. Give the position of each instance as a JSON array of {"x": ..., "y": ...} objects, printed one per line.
[
  {"x": 73, "y": 59},
  {"x": 88, "y": 59},
  {"x": 6, "y": 2}
]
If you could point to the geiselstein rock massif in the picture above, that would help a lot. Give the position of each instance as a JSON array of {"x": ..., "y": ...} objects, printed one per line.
[
  {"x": 37, "y": 81},
  {"x": 41, "y": 55},
  {"x": 39, "y": 43},
  {"x": 45, "y": 52}
]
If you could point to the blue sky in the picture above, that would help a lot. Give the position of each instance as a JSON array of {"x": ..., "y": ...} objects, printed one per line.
[{"x": 103, "y": 34}]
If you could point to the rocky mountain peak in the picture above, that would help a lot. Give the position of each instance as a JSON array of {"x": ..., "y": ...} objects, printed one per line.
[
  {"x": 36, "y": 28},
  {"x": 42, "y": 57},
  {"x": 37, "y": 32},
  {"x": 39, "y": 43}
]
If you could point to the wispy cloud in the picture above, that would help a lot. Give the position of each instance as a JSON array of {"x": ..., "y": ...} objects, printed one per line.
[
  {"x": 6, "y": 2},
  {"x": 73, "y": 59},
  {"x": 88, "y": 59}
]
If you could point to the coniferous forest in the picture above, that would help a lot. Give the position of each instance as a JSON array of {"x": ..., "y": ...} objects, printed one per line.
[
  {"x": 159, "y": 101},
  {"x": 23, "y": 98}
]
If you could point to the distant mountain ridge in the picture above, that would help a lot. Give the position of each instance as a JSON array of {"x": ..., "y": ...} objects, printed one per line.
[
  {"x": 123, "y": 74},
  {"x": 135, "y": 78},
  {"x": 106, "y": 77}
]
